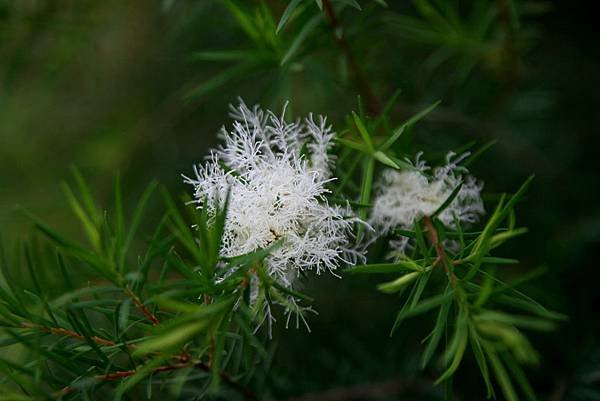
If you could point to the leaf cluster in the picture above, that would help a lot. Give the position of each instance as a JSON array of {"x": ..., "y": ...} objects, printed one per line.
[
  {"x": 453, "y": 273},
  {"x": 123, "y": 313}
]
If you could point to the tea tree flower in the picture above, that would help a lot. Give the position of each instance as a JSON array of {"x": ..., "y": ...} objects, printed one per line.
[
  {"x": 408, "y": 195},
  {"x": 276, "y": 172}
]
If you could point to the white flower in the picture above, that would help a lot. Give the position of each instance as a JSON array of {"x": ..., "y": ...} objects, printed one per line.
[
  {"x": 405, "y": 196},
  {"x": 276, "y": 173}
]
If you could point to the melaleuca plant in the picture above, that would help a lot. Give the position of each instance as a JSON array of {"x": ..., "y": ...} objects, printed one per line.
[
  {"x": 177, "y": 299},
  {"x": 190, "y": 313},
  {"x": 274, "y": 174},
  {"x": 441, "y": 259}
]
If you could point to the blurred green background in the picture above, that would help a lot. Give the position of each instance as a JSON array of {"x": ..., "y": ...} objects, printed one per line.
[{"x": 141, "y": 87}]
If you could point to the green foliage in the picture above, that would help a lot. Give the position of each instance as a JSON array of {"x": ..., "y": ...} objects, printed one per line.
[
  {"x": 143, "y": 308},
  {"x": 109, "y": 323},
  {"x": 180, "y": 306},
  {"x": 476, "y": 307}
]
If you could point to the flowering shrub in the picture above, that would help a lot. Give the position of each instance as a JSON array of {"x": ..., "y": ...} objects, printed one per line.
[
  {"x": 407, "y": 196},
  {"x": 264, "y": 213},
  {"x": 184, "y": 307},
  {"x": 277, "y": 195}
]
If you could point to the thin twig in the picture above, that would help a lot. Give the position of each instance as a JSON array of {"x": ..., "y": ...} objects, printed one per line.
[
  {"x": 373, "y": 103},
  {"x": 432, "y": 235},
  {"x": 61, "y": 331},
  {"x": 244, "y": 391},
  {"x": 139, "y": 304},
  {"x": 126, "y": 373},
  {"x": 184, "y": 358}
]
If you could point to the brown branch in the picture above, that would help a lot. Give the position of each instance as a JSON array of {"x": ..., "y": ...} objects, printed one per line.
[
  {"x": 184, "y": 359},
  {"x": 432, "y": 235},
  {"x": 373, "y": 103},
  {"x": 126, "y": 373},
  {"x": 138, "y": 303},
  {"x": 61, "y": 331},
  {"x": 244, "y": 391}
]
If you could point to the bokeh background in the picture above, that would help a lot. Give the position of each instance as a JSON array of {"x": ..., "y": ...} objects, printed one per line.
[{"x": 141, "y": 87}]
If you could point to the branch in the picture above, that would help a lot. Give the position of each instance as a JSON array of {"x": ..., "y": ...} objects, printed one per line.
[
  {"x": 138, "y": 303},
  {"x": 373, "y": 103},
  {"x": 244, "y": 391},
  {"x": 126, "y": 373},
  {"x": 432, "y": 235},
  {"x": 61, "y": 331},
  {"x": 184, "y": 358}
]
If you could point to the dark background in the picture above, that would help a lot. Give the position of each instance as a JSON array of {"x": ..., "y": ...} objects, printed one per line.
[{"x": 115, "y": 86}]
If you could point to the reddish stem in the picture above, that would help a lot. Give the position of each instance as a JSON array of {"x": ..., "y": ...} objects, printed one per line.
[
  {"x": 432, "y": 235},
  {"x": 139, "y": 304}
]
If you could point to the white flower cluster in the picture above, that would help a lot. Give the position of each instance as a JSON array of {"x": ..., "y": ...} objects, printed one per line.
[
  {"x": 405, "y": 196},
  {"x": 276, "y": 173}
]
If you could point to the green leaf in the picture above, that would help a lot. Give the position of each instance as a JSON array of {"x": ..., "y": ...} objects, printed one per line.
[
  {"x": 365, "y": 191},
  {"x": 400, "y": 266},
  {"x": 245, "y": 21},
  {"x": 186, "y": 326},
  {"x": 385, "y": 159},
  {"x": 135, "y": 222},
  {"x": 139, "y": 375},
  {"x": 87, "y": 222},
  {"x": 479, "y": 354},
  {"x": 482, "y": 245},
  {"x": 287, "y": 13},
  {"x": 516, "y": 197},
  {"x": 502, "y": 377},
  {"x": 388, "y": 107},
  {"x": 363, "y": 132},
  {"x": 424, "y": 306},
  {"x": 225, "y": 55},
  {"x": 213, "y": 83},
  {"x": 172, "y": 339},
  {"x": 404, "y": 126},
  {"x": 492, "y": 260},
  {"x": 448, "y": 201},
  {"x": 421, "y": 244},
  {"x": 215, "y": 366},
  {"x": 81, "y": 329},
  {"x": 353, "y": 145},
  {"x": 478, "y": 153},
  {"x": 436, "y": 334},
  {"x": 255, "y": 256},
  {"x": 86, "y": 194},
  {"x": 526, "y": 322},
  {"x": 300, "y": 38},
  {"x": 519, "y": 375},
  {"x": 457, "y": 346},
  {"x": 351, "y": 3},
  {"x": 396, "y": 285},
  {"x": 181, "y": 229},
  {"x": 528, "y": 305},
  {"x": 95, "y": 261}
]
